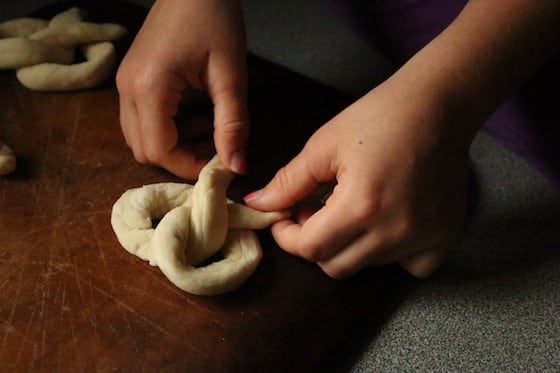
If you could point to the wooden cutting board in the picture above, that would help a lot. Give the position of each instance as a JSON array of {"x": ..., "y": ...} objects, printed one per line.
[{"x": 72, "y": 299}]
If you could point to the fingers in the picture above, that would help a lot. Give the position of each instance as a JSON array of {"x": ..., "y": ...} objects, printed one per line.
[
  {"x": 128, "y": 117},
  {"x": 295, "y": 180},
  {"x": 343, "y": 251},
  {"x": 331, "y": 229},
  {"x": 147, "y": 119},
  {"x": 227, "y": 88},
  {"x": 328, "y": 230},
  {"x": 371, "y": 249},
  {"x": 350, "y": 232},
  {"x": 147, "y": 122},
  {"x": 423, "y": 263}
]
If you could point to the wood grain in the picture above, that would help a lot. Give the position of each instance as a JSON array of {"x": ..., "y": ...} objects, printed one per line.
[{"x": 71, "y": 299}]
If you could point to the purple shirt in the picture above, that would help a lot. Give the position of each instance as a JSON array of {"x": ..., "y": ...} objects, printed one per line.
[{"x": 527, "y": 123}]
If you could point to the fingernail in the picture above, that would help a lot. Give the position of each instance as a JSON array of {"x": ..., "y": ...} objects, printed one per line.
[
  {"x": 238, "y": 164},
  {"x": 253, "y": 196}
]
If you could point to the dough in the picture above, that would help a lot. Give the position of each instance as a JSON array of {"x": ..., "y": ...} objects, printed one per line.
[
  {"x": 196, "y": 222},
  {"x": 21, "y": 27},
  {"x": 100, "y": 60},
  {"x": 72, "y": 15},
  {"x": 22, "y": 52},
  {"x": 43, "y": 51},
  {"x": 79, "y": 33},
  {"x": 7, "y": 159}
]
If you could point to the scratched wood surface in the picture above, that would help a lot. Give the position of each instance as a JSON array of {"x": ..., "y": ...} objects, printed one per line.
[{"x": 71, "y": 299}]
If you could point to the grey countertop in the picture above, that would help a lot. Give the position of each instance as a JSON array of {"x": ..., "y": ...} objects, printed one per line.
[{"x": 494, "y": 304}]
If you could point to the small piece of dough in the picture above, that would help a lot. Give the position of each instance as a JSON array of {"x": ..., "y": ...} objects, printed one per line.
[
  {"x": 7, "y": 159},
  {"x": 21, "y": 52},
  {"x": 22, "y": 27},
  {"x": 196, "y": 221},
  {"x": 100, "y": 60}
]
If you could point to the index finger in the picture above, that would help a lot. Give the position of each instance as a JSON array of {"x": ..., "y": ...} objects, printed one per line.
[
  {"x": 159, "y": 135},
  {"x": 227, "y": 87},
  {"x": 326, "y": 232}
]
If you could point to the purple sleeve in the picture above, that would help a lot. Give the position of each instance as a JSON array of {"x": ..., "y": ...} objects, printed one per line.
[
  {"x": 398, "y": 27},
  {"x": 527, "y": 123}
]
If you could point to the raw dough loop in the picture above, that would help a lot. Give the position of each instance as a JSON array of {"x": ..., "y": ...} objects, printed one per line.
[
  {"x": 100, "y": 60},
  {"x": 196, "y": 222},
  {"x": 42, "y": 51},
  {"x": 21, "y": 52}
]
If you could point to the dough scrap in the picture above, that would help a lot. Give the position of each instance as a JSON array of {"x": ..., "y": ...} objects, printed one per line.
[
  {"x": 7, "y": 159},
  {"x": 196, "y": 222}
]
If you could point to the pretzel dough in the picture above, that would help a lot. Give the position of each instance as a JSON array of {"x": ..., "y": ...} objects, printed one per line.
[
  {"x": 72, "y": 15},
  {"x": 79, "y": 33},
  {"x": 22, "y": 52},
  {"x": 7, "y": 159},
  {"x": 43, "y": 51},
  {"x": 21, "y": 27},
  {"x": 196, "y": 222},
  {"x": 100, "y": 60},
  {"x": 26, "y": 26}
]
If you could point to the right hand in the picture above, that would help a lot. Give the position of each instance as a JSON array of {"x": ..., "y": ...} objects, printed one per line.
[
  {"x": 196, "y": 44},
  {"x": 400, "y": 160}
]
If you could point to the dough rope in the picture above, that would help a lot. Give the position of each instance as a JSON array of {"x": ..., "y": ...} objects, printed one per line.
[
  {"x": 22, "y": 27},
  {"x": 7, "y": 159},
  {"x": 100, "y": 60},
  {"x": 196, "y": 222},
  {"x": 42, "y": 51}
]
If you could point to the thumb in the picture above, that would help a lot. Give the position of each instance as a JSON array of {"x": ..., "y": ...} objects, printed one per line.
[
  {"x": 294, "y": 181},
  {"x": 228, "y": 91}
]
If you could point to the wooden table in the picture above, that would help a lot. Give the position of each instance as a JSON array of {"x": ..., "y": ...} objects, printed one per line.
[{"x": 72, "y": 299}]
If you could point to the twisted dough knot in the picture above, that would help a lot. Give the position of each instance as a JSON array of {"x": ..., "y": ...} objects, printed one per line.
[
  {"x": 196, "y": 222},
  {"x": 42, "y": 51}
]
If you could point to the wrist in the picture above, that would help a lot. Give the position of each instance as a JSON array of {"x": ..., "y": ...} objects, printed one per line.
[{"x": 446, "y": 110}]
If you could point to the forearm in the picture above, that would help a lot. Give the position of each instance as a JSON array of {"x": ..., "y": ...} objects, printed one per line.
[{"x": 482, "y": 57}]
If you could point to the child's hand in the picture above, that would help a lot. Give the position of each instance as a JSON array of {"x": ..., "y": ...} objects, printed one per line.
[
  {"x": 198, "y": 44},
  {"x": 400, "y": 153},
  {"x": 401, "y": 192}
]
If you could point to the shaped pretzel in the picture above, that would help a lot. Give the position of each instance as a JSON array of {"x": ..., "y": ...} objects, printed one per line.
[
  {"x": 42, "y": 51},
  {"x": 196, "y": 222},
  {"x": 100, "y": 60},
  {"x": 18, "y": 52},
  {"x": 22, "y": 27}
]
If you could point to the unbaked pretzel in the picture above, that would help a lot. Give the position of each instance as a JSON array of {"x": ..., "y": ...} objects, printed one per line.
[
  {"x": 79, "y": 33},
  {"x": 43, "y": 51},
  {"x": 7, "y": 159},
  {"x": 21, "y": 27},
  {"x": 100, "y": 60},
  {"x": 196, "y": 222},
  {"x": 21, "y": 52}
]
